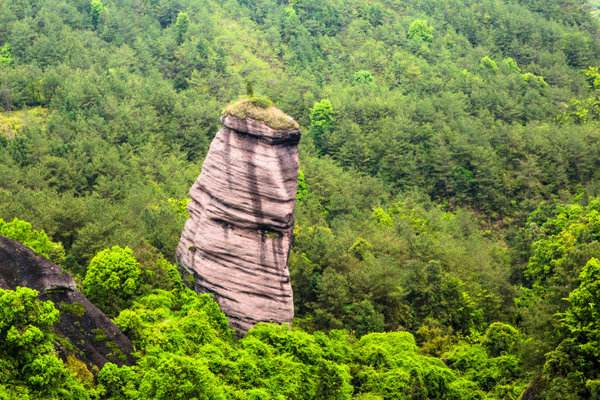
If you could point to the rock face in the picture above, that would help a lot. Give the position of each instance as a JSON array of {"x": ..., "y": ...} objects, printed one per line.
[
  {"x": 96, "y": 340},
  {"x": 238, "y": 237}
]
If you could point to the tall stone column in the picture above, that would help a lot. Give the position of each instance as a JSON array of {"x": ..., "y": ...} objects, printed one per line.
[{"x": 237, "y": 239}]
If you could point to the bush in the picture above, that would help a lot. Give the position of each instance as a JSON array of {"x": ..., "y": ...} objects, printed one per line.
[
  {"x": 112, "y": 279},
  {"x": 501, "y": 339},
  {"x": 37, "y": 240}
]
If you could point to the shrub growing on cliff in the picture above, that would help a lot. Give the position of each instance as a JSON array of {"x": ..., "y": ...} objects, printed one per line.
[{"x": 112, "y": 279}]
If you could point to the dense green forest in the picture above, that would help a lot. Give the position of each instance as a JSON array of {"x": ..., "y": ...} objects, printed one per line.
[{"x": 447, "y": 238}]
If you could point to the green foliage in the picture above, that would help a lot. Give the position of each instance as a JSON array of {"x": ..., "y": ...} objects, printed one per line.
[
  {"x": 112, "y": 279},
  {"x": 363, "y": 77},
  {"x": 96, "y": 10},
  {"x": 260, "y": 101},
  {"x": 431, "y": 141},
  {"x": 37, "y": 240},
  {"x": 441, "y": 296},
  {"x": 183, "y": 341},
  {"x": 582, "y": 318},
  {"x": 182, "y": 24},
  {"x": 116, "y": 383},
  {"x": 302, "y": 190},
  {"x": 322, "y": 122},
  {"x": 382, "y": 217},
  {"x": 79, "y": 370},
  {"x": 12, "y": 123},
  {"x": 501, "y": 338},
  {"x": 30, "y": 365},
  {"x": 163, "y": 221},
  {"x": 573, "y": 366},
  {"x": 406, "y": 263},
  {"x": 396, "y": 369},
  {"x": 588, "y": 109},
  {"x": 157, "y": 272},
  {"x": 420, "y": 30},
  {"x": 75, "y": 309},
  {"x": 5, "y": 54},
  {"x": 490, "y": 373},
  {"x": 563, "y": 239},
  {"x": 487, "y": 62},
  {"x": 178, "y": 377}
]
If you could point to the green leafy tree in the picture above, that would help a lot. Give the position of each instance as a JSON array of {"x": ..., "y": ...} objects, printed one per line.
[
  {"x": 572, "y": 368},
  {"x": 563, "y": 238},
  {"x": 182, "y": 24},
  {"x": 488, "y": 63},
  {"x": 112, "y": 279},
  {"x": 439, "y": 295},
  {"x": 30, "y": 365},
  {"x": 5, "y": 54},
  {"x": 322, "y": 122},
  {"x": 582, "y": 318},
  {"x": 363, "y": 77},
  {"x": 117, "y": 383},
  {"x": 96, "y": 9},
  {"x": 37, "y": 240},
  {"x": 177, "y": 377},
  {"x": 501, "y": 338},
  {"x": 303, "y": 189},
  {"x": 588, "y": 109},
  {"x": 420, "y": 30}
]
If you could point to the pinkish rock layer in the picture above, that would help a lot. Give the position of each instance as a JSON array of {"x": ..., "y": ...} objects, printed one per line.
[{"x": 237, "y": 240}]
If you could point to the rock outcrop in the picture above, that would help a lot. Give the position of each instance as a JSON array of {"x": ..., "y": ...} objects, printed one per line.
[
  {"x": 238, "y": 237},
  {"x": 92, "y": 336}
]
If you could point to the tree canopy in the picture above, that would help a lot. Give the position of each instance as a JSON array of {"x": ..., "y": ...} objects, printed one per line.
[{"x": 446, "y": 235}]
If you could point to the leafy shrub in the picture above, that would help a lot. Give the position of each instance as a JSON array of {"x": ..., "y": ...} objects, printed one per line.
[
  {"x": 29, "y": 364},
  {"x": 112, "y": 279},
  {"x": 37, "y": 240}
]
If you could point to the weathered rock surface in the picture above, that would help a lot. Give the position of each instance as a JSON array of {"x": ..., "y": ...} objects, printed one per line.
[
  {"x": 238, "y": 237},
  {"x": 96, "y": 340}
]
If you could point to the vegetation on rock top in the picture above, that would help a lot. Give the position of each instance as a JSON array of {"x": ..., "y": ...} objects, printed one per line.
[{"x": 261, "y": 109}]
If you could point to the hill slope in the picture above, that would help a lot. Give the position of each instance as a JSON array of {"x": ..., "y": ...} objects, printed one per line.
[{"x": 448, "y": 171}]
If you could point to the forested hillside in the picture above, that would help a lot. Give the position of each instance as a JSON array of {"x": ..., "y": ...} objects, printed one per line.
[{"x": 447, "y": 237}]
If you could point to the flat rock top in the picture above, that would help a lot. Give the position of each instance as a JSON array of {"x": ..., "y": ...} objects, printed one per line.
[{"x": 267, "y": 115}]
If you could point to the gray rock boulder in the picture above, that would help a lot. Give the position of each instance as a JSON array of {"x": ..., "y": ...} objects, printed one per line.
[
  {"x": 91, "y": 335},
  {"x": 237, "y": 239}
]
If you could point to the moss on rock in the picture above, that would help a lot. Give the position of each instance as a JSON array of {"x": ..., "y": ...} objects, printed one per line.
[{"x": 261, "y": 108}]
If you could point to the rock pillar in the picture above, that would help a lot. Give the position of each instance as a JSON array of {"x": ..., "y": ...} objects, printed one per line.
[{"x": 237, "y": 239}]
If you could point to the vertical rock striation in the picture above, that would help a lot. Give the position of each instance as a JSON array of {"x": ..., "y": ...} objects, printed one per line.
[{"x": 237, "y": 239}]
